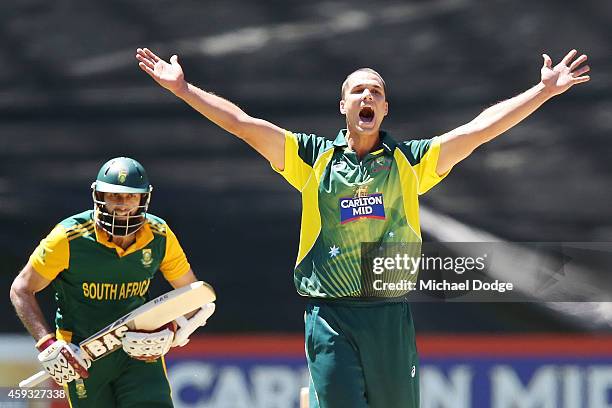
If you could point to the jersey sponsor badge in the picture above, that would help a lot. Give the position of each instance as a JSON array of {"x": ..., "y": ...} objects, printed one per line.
[{"x": 362, "y": 205}]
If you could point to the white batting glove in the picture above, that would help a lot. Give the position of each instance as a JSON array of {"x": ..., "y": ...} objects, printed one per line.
[
  {"x": 62, "y": 360},
  {"x": 188, "y": 326},
  {"x": 148, "y": 346}
]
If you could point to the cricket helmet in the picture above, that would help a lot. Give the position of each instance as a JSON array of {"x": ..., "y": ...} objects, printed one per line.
[{"x": 121, "y": 175}]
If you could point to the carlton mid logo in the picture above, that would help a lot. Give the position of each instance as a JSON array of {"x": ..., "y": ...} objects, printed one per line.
[{"x": 367, "y": 206}]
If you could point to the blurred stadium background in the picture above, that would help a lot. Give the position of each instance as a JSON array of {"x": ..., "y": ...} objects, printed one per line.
[{"x": 72, "y": 96}]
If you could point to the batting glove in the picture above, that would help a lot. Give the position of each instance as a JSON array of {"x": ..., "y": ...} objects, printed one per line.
[
  {"x": 188, "y": 326},
  {"x": 149, "y": 346},
  {"x": 62, "y": 360}
]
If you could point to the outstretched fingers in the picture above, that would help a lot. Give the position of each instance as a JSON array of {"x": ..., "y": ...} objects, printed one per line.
[
  {"x": 146, "y": 69},
  {"x": 581, "y": 71},
  {"x": 577, "y": 72},
  {"x": 147, "y": 54},
  {"x": 151, "y": 55},
  {"x": 569, "y": 71},
  {"x": 141, "y": 52},
  {"x": 146, "y": 61},
  {"x": 570, "y": 55},
  {"x": 579, "y": 76},
  {"x": 581, "y": 79},
  {"x": 578, "y": 61}
]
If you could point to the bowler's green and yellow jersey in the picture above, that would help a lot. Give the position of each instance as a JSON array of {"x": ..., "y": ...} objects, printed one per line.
[
  {"x": 96, "y": 281},
  {"x": 347, "y": 202}
]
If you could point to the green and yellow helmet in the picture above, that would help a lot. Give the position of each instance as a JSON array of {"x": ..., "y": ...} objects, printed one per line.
[{"x": 121, "y": 175}]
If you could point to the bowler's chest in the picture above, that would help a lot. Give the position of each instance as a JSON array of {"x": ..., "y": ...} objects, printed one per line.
[
  {"x": 353, "y": 189},
  {"x": 347, "y": 176}
]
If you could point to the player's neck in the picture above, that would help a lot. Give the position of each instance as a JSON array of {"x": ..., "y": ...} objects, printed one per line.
[
  {"x": 124, "y": 242},
  {"x": 362, "y": 143}
]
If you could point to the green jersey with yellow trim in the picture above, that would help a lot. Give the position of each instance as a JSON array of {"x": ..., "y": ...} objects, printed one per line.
[
  {"x": 347, "y": 201},
  {"x": 96, "y": 281}
]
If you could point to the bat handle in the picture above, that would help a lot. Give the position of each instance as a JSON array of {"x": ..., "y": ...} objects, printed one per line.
[{"x": 35, "y": 380}]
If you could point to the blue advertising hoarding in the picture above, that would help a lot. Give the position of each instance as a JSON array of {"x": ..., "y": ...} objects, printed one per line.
[{"x": 548, "y": 371}]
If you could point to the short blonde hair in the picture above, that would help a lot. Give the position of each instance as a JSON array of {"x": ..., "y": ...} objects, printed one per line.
[{"x": 368, "y": 70}]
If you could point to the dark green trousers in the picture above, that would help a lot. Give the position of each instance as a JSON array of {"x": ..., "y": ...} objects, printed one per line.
[
  {"x": 361, "y": 355},
  {"x": 118, "y": 381}
]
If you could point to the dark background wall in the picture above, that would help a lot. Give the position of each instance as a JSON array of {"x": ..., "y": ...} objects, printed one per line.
[{"x": 72, "y": 96}]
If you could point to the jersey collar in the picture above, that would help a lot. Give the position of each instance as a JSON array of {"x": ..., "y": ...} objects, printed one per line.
[
  {"x": 143, "y": 236},
  {"x": 386, "y": 141}
]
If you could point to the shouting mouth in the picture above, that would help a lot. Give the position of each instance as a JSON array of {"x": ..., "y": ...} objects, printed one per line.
[{"x": 366, "y": 115}]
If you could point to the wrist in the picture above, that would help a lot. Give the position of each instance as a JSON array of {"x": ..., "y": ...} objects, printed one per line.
[
  {"x": 45, "y": 341},
  {"x": 182, "y": 90},
  {"x": 544, "y": 90}
]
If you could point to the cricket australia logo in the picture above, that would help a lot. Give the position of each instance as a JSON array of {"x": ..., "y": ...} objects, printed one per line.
[
  {"x": 147, "y": 257},
  {"x": 122, "y": 176},
  {"x": 362, "y": 205},
  {"x": 380, "y": 164}
]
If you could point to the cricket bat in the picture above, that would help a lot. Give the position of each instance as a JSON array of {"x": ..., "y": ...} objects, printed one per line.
[{"x": 150, "y": 316}]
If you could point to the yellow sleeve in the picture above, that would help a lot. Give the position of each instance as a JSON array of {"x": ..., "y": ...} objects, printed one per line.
[
  {"x": 175, "y": 264},
  {"x": 52, "y": 255},
  {"x": 296, "y": 170},
  {"x": 426, "y": 169}
]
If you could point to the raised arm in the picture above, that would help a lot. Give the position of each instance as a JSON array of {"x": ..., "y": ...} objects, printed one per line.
[
  {"x": 265, "y": 137},
  {"x": 459, "y": 143}
]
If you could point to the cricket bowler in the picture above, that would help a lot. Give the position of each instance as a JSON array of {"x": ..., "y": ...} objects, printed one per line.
[
  {"x": 100, "y": 263},
  {"x": 362, "y": 186}
]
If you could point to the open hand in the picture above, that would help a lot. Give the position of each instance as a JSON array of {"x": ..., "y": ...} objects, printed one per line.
[
  {"x": 169, "y": 75},
  {"x": 565, "y": 74}
]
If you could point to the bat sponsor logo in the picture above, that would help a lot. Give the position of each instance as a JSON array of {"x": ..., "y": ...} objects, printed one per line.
[
  {"x": 160, "y": 299},
  {"x": 106, "y": 343}
]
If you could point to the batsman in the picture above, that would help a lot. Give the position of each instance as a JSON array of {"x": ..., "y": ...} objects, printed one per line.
[
  {"x": 100, "y": 263},
  {"x": 362, "y": 186}
]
